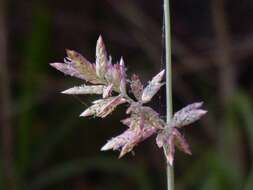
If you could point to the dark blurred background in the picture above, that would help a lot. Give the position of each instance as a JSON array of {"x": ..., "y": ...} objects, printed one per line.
[{"x": 46, "y": 146}]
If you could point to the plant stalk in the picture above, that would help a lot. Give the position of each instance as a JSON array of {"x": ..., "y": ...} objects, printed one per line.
[
  {"x": 5, "y": 106},
  {"x": 170, "y": 171}
]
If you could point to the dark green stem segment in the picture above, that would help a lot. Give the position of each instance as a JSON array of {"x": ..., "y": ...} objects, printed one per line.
[{"x": 170, "y": 172}]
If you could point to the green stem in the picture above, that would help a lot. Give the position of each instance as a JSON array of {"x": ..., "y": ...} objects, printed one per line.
[{"x": 170, "y": 172}]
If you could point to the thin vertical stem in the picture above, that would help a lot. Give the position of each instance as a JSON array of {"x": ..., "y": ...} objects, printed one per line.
[
  {"x": 5, "y": 104},
  {"x": 224, "y": 57},
  {"x": 170, "y": 172}
]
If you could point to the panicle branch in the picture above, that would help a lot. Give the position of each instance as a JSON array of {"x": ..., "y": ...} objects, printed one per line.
[{"x": 103, "y": 78}]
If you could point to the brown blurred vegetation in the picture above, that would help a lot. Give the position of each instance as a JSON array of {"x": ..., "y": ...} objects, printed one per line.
[{"x": 45, "y": 145}]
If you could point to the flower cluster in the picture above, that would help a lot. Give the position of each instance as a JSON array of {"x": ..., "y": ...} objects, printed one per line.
[{"x": 107, "y": 79}]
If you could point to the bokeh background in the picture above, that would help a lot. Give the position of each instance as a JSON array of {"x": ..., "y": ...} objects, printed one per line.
[{"x": 46, "y": 146}]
